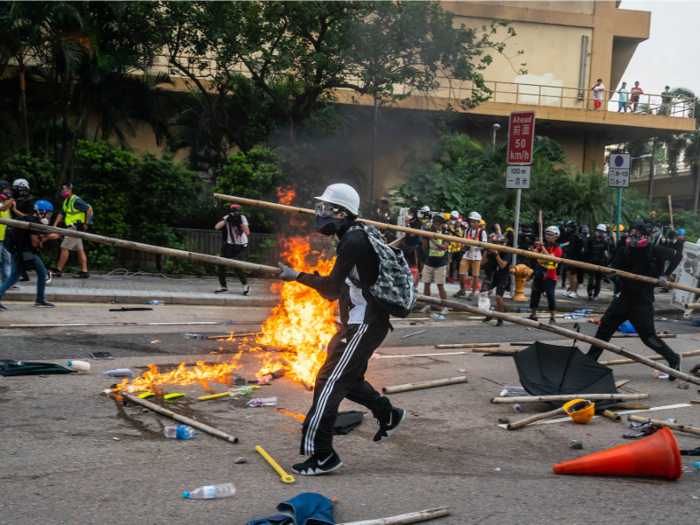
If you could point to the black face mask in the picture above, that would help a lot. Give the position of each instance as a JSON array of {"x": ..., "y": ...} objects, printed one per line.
[{"x": 328, "y": 225}]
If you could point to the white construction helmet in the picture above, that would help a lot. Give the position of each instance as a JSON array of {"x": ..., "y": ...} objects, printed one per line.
[
  {"x": 22, "y": 183},
  {"x": 343, "y": 195},
  {"x": 602, "y": 227},
  {"x": 454, "y": 214},
  {"x": 552, "y": 231},
  {"x": 474, "y": 216},
  {"x": 425, "y": 209}
]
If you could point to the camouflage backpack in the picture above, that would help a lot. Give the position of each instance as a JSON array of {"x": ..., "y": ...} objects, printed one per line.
[{"x": 394, "y": 289}]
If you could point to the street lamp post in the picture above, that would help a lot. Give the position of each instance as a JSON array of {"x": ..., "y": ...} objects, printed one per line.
[{"x": 495, "y": 127}]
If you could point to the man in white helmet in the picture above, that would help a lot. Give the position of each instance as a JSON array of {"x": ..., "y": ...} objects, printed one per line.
[
  {"x": 365, "y": 324},
  {"x": 545, "y": 277},
  {"x": 471, "y": 261}
]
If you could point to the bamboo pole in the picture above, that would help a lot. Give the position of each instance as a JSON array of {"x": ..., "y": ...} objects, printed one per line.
[
  {"x": 631, "y": 406},
  {"x": 611, "y": 415},
  {"x": 537, "y": 417},
  {"x": 470, "y": 345},
  {"x": 402, "y": 519},
  {"x": 692, "y": 306},
  {"x": 567, "y": 397},
  {"x": 497, "y": 351},
  {"x": 143, "y": 247},
  {"x": 249, "y": 334},
  {"x": 621, "y": 383},
  {"x": 659, "y": 423},
  {"x": 414, "y": 333},
  {"x": 566, "y": 333},
  {"x": 653, "y": 358},
  {"x": 182, "y": 419},
  {"x": 461, "y": 240},
  {"x": 424, "y": 384},
  {"x": 660, "y": 336}
]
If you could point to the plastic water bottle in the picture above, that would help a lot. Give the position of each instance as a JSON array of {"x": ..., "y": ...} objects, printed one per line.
[
  {"x": 438, "y": 317},
  {"x": 194, "y": 336},
  {"x": 516, "y": 407},
  {"x": 119, "y": 372},
  {"x": 80, "y": 366},
  {"x": 262, "y": 402},
  {"x": 156, "y": 303},
  {"x": 179, "y": 431},
  {"x": 226, "y": 323},
  {"x": 242, "y": 390},
  {"x": 222, "y": 490}
]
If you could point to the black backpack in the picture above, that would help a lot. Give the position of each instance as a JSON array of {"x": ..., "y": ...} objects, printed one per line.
[{"x": 14, "y": 239}]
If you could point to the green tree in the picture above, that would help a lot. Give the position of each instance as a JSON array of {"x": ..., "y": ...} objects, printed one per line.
[{"x": 687, "y": 147}]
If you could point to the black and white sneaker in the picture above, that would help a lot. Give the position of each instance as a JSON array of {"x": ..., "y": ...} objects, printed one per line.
[
  {"x": 246, "y": 289},
  {"x": 386, "y": 429},
  {"x": 43, "y": 304},
  {"x": 677, "y": 366},
  {"x": 315, "y": 465}
]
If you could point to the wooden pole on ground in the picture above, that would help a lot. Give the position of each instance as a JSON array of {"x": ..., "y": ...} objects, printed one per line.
[
  {"x": 611, "y": 415},
  {"x": 403, "y": 519},
  {"x": 537, "y": 417},
  {"x": 424, "y": 384},
  {"x": 660, "y": 336},
  {"x": 143, "y": 247},
  {"x": 461, "y": 240},
  {"x": 630, "y": 406},
  {"x": 659, "y": 423},
  {"x": 497, "y": 351},
  {"x": 567, "y": 397},
  {"x": 670, "y": 211},
  {"x": 653, "y": 358},
  {"x": 564, "y": 332},
  {"x": 470, "y": 345},
  {"x": 182, "y": 419}
]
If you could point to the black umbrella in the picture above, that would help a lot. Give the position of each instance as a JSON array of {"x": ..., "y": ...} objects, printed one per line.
[
  {"x": 547, "y": 370},
  {"x": 24, "y": 368}
]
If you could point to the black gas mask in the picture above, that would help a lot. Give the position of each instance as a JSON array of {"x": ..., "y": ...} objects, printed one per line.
[
  {"x": 326, "y": 224},
  {"x": 234, "y": 216}
]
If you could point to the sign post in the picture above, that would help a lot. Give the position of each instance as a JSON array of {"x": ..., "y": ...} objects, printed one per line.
[
  {"x": 521, "y": 140},
  {"x": 619, "y": 177}
]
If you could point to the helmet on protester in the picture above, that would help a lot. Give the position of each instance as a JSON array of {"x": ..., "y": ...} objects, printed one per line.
[
  {"x": 482, "y": 222},
  {"x": 342, "y": 195},
  {"x": 21, "y": 183},
  {"x": 580, "y": 410},
  {"x": 438, "y": 217},
  {"x": 585, "y": 229},
  {"x": 454, "y": 215},
  {"x": 425, "y": 209},
  {"x": 572, "y": 223},
  {"x": 641, "y": 226},
  {"x": 601, "y": 227},
  {"x": 474, "y": 216},
  {"x": 681, "y": 232},
  {"x": 43, "y": 206},
  {"x": 497, "y": 237},
  {"x": 4, "y": 184},
  {"x": 446, "y": 216},
  {"x": 552, "y": 231}
]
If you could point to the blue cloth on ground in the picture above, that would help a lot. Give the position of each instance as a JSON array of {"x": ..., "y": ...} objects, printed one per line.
[{"x": 307, "y": 508}]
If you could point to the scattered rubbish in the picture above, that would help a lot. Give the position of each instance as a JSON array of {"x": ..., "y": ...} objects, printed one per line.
[
  {"x": 116, "y": 439},
  {"x": 627, "y": 328},
  {"x": 512, "y": 391},
  {"x": 239, "y": 380},
  {"x": 170, "y": 397},
  {"x": 213, "y": 396},
  {"x": 611, "y": 415},
  {"x": 123, "y": 309},
  {"x": 438, "y": 317},
  {"x": 125, "y": 403},
  {"x": 524, "y": 311},
  {"x": 516, "y": 407},
  {"x": 156, "y": 341},
  {"x": 264, "y": 380},
  {"x": 621, "y": 382},
  {"x": 413, "y": 324},
  {"x": 462, "y": 370},
  {"x": 241, "y": 391},
  {"x": 119, "y": 372},
  {"x": 156, "y": 303},
  {"x": 424, "y": 384},
  {"x": 240, "y": 461},
  {"x": 227, "y": 323},
  {"x": 346, "y": 422},
  {"x": 222, "y": 490},
  {"x": 414, "y": 333},
  {"x": 497, "y": 469},
  {"x": 667, "y": 320},
  {"x": 656, "y": 455},
  {"x": 194, "y": 336},
  {"x": 576, "y": 444},
  {"x": 308, "y": 508},
  {"x": 660, "y": 375},
  {"x": 532, "y": 419},
  {"x": 26, "y": 368},
  {"x": 671, "y": 420},
  {"x": 594, "y": 321},
  {"x": 669, "y": 423},
  {"x": 262, "y": 402},
  {"x": 503, "y": 420},
  {"x": 80, "y": 366},
  {"x": 696, "y": 370},
  {"x": 179, "y": 432},
  {"x": 286, "y": 478},
  {"x": 683, "y": 386},
  {"x": 469, "y": 345},
  {"x": 101, "y": 355},
  {"x": 145, "y": 395}
]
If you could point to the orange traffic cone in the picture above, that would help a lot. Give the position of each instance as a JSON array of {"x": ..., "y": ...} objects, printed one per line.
[{"x": 655, "y": 455}]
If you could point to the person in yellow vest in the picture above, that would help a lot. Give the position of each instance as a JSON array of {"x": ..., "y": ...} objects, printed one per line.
[
  {"x": 77, "y": 214},
  {"x": 6, "y": 202},
  {"x": 545, "y": 277},
  {"x": 435, "y": 267}
]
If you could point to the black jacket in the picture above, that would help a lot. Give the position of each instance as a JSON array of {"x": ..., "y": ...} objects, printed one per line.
[
  {"x": 356, "y": 261},
  {"x": 648, "y": 261}
]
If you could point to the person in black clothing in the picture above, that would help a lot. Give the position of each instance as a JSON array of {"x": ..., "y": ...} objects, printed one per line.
[
  {"x": 598, "y": 253},
  {"x": 571, "y": 228},
  {"x": 636, "y": 301},
  {"x": 410, "y": 243},
  {"x": 364, "y": 325},
  {"x": 497, "y": 270},
  {"x": 234, "y": 245},
  {"x": 578, "y": 243},
  {"x": 563, "y": 239},
  {"x": 674, "y": 241}
]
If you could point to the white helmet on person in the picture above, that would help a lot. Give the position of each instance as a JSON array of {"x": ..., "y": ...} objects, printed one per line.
[
  {"x": 454, "y": 214},
  {"x": 342, "y": 195},
  {"x": 601, "y": 227},
  {"x": 474, "y": 216},
  {"x": 22, "y": 183},
  {"x": 425, "y": 209},
  {"x": 552, "y": 231}
]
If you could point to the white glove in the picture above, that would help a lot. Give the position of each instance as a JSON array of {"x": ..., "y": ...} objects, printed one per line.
[
  {"x": 663, "y": 280},
  {"x": 288, "y": 274}
]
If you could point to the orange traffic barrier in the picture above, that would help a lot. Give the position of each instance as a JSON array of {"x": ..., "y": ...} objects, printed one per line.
[{"x": 655, "y": 455}]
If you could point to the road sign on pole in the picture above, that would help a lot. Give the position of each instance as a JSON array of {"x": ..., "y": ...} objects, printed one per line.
[
  {"x": 619, "y": 170},
  {"x": 521, "y": 137},
  {"x": 518, "y": 177}
]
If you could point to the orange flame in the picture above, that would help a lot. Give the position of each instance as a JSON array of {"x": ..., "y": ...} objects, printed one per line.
[
  {"x": 303, "y": 322},
  {"x": 287, "y": 195},
  {"x": 182, "y": 375}
]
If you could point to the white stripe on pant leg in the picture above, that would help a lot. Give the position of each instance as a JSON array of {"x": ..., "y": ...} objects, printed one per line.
[
  {"x": 323, "y": 398},
  {"x": 328, "y": 388}
]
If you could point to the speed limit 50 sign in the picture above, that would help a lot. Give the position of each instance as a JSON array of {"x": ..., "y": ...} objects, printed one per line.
[{"x": 521, "y": 137}]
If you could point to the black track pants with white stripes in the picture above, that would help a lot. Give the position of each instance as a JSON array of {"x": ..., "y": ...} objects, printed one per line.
[{"x": 343, "y": 376}]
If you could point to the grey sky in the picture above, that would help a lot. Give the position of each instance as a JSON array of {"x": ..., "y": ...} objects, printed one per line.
[{"x": 670, "y": 55}]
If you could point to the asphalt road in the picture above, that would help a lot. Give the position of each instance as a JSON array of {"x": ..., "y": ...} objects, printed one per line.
[{"x": 60, "y": 462}]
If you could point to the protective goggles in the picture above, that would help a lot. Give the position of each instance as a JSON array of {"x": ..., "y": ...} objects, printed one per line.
[{"x": 324, "y": 209}]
